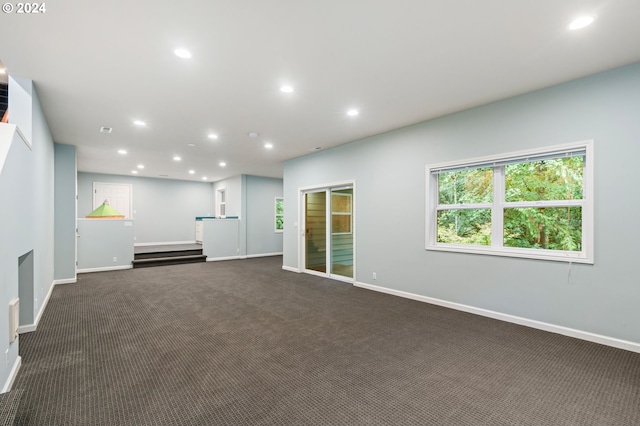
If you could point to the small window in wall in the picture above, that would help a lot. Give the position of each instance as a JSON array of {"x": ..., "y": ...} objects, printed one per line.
[
  {"x": 279, "y": 214},
  {"x": 340, "y": 213},
  {"x": 222, "y": 202},
  {"x": 534, "y": 204}
]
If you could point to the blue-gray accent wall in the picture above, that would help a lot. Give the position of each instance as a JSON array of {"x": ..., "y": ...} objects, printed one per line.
[
  {"x": 389, "y": 170},
  {"x": 164, "y": 209},
  {"x": 27, "y": 221},
  {"x": 65, "y": 212}
]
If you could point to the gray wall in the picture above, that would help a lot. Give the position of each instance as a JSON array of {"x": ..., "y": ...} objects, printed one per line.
[
  {"x": 164, "y": 209},
  {"x": 26, "y": 222},
  {"x": 65, "y": 212},
  {"x": 260, "y": 215},
  {"x": 105, "y": 243},
  {"x": 389, "y": 170}
]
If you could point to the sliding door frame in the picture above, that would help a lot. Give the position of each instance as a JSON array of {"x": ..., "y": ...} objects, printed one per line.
[{"x": 302, "y": 254}]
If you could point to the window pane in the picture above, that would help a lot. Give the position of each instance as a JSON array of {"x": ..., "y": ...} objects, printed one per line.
[
  {"x": 472, "y": 226},
  {"x": 340, "y": 203},
  {"x": 466, "y": 186},
  {"x": 556, "y": 179},
  {"x": 279, "y": 222},
  {"x": 340, "y": 223},
  {"x": 279, "y": 206},
  {"x": 556, "y": 228}
]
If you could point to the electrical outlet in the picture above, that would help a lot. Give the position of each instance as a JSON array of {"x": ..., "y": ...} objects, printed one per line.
[
  {"x": 115, "y": 259},
  {"x": 375, "y": 276}
]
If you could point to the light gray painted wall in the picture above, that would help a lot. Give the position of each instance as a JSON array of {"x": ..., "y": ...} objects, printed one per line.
[
  {"x": 389, "y": 170},
  {"x": 103, "y": 240},
  {"x": 164, "y": 209},
  {"x": 221, "y": 238},
  {"x": 260, "y": 217},
  {"x": 16, "y": 228},
  {"x": 65, "y": 212},
  {"x": 43, "y": 204},
  {"x": 26, "y": 188}
]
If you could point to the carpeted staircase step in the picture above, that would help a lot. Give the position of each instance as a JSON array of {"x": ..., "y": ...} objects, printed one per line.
[
  {"x": 171, "y": 253},
  {"x": 169, "y": 260}
]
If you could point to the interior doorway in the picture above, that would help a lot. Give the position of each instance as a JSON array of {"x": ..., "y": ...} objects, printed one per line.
[
  {"x": 119, "y": 196},
  {"x": 328, "y": 238}
]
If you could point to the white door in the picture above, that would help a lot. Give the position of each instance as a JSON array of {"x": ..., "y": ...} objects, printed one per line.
[{"x": 118, "y": 194}]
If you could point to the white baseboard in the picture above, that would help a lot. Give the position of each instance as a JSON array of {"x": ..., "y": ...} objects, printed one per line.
[
  {"x": 12, "y": 375},
  {"x": 66, "y": 281},
  {"x": 558, "y": 329},
  {"x": 290, "y": 269},
  {"x": 28, "y": 328},
  {"x": 103, "y": 269},
  {"x": 250, "y": 256},
  {"x": 217, "y": 259},
  {"x": 165, "y": 243}
]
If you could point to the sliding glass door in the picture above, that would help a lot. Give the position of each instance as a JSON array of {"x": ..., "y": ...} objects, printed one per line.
[
  {"x": 316, "y": 231},
  {"x": 328, "y": 243}
]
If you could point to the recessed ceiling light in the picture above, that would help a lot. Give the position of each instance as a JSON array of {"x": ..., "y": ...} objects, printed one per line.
[
  {"x": 222, "y": 164},
  {"x": 104, "y": 129},
  {"x": 253, "y": 134},
  {"x": 268, "y": 145},
  {"x": 212, "y": 136},
  {"x": 135, "y": 172},
  {"x": 140, "y": 166},
  {"x": 182, "y": 53},
  {"x": 286, "y": 89},
  {"x": 122, "y": 151},
  {"x": 204, "y": 178},
  {"x": 581, "y": 22},
  {"x": 139, "y": 123},
  {"x": 353, "y": 112},
  {"x": 177, "y": 158},
  {"x": 191, "y": 172}
]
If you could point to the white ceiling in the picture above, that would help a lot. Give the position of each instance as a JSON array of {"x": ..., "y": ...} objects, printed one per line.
[{"x": 106, "y": 63}]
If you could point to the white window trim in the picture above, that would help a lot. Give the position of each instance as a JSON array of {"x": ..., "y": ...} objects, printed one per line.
[
  {"x": 587, "y": 203},
  {"x": 275, "y": 221},
  {"x": 219, "y": 203}
]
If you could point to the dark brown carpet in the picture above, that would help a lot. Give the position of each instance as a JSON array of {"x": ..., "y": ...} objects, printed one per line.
[{"x": 246, "y": 343}]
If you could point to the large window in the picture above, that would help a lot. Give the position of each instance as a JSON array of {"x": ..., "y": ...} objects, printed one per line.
[{"x": 535, "y": 204}]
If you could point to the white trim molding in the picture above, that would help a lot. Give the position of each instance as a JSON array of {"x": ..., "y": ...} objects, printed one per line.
[
  {"x": 12, "y": 375},
  {"x": 250, "y": 256},
  {"x": 103, "y": 269},
  {"x": 32, "y": 327},
  {"x": 66, "y": 281},
  {"x": 165, "y": 243},
  {"x": 291, "y": 269},
  {"x": 217, "y": 259},
  {"x": 553, "y": 328}
]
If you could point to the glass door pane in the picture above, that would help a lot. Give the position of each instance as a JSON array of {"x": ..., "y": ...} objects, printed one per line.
[
  {"x": 342, "y": 232},
  {"x": 316, "y": 231}
]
